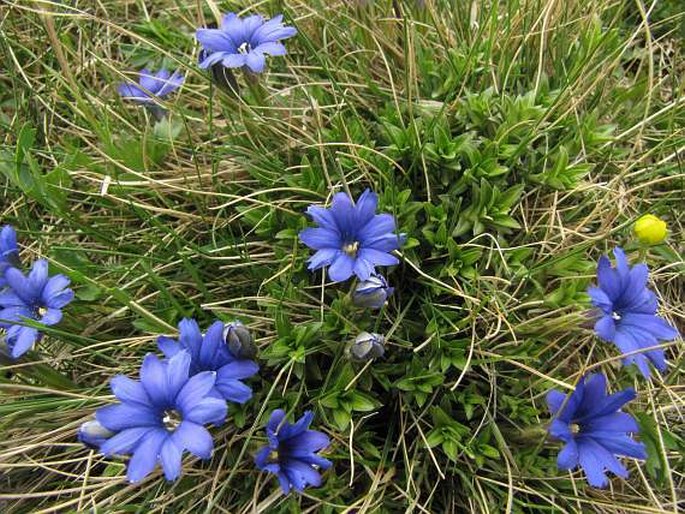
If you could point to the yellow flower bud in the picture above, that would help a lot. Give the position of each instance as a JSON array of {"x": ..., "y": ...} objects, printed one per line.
[{"x": 650, "y": 229}]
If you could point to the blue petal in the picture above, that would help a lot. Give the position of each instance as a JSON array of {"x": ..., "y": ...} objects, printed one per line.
[
  {"x": 620, "y": 444},
  {"x": 209, "y": 410},
  {"x": 600, "y": 299},
  {"x": 614, "y": 422},
  {"x": 261, "y": 458},
  {"x": 237, "y": 370},
  {"x": 322, "y": 217},
  {"x": 195, "y": 390},
  {"x": 255, "y": 61},
  {"x": 592, "y": 465},
  {"x": 377, "y": 257},
  {"x": 276, "y": 419},
  {"x": 22, "y": 342},
  {"x": 177, "y": 370},
  {"x": 363, "y": 268},
  {"x": 608, "y": 279},
  {"x": 51, "y": 317},
  {"x": 171, "y": 84},
  {"x": 215, "y": 40},
  {"x": 170, "y": 457},
  {"x": 146, "y": 454},
  {"x": 190, "y": 337},
  {"x": 560, "y": 430},
  {"x": 366, "y": 207},
  {"x": 321, "y": 238},
  {"x": 627, "y": 344},
  {"x": 323, "y": 258},
  {"x": 653, "y": 324},
  {"x": 341, "y": 269},
  {"x": 284, "y": 482},
  {"x": 128, "y": 390},
  {"x": 270, "y": 48},
  {"x": 342, "y": 210},
  {"x": 195, "y": 438},
  {"x": 605, "y": 327},
  {"x": 8, "y": 298},
  {"x": 555, "y": 399},
  {"x": 125, "y": 415},
  {"x": 211, "y": 343},
  {"x": 611, "y": 403},
  {"x": 380, "y": 225},
  {"x": 168, "y": 346},
  {"x": 594, "y": 394},
  {"x": 154, "y": 379},
  {"x": 300, "y": 474},
  {"x": 21, "y": 286},
  {"x": 125, "y": 441},
  {"x": 568, "y": 456},
  {"x": 234, "y": 391},
  {"x": 133, "y": 92},
  {"x": 288, "y": 431},
  {"x": 307, "y": 442}
]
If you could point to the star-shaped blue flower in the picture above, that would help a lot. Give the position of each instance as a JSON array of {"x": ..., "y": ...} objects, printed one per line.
[
  {"x": 351, "y": 239},
  {"x": 9, "y": 252},
  {"x": 243, "y": 42},
  {"x": 594, "y": 429},
  {"x": 211, "y": 353},
  {"x": 161, "y": 416},
  {"x": 292, "y": 452},
  {"x": 157, "y": 85},
  {"x": 628, "y": 312},
  {"x": 37, "y": 297}
]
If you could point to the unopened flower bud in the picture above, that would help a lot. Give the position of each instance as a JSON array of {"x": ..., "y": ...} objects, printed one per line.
[
  {"x": 93, "y": 434},
  {"x": 650, "y": 229},
  {"x": 367, "y": 346},
  {"x": 239, "y": 340},
  {"x": 372, "y": 293}
]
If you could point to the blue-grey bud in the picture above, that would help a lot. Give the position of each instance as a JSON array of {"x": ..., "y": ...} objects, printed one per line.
[
  {"x": 239, "y": 340},
  {"x": 367, "y": 346},
  {"x": 372, "y": 293},
  {"x": 93, "y": 434}
]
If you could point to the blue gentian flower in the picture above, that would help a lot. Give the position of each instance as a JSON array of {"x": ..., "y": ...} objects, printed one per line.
[
  {"x": 351, "y": 239},
  {"x": 367, "y": 346},
  {"x": 161, "y": 415},
  {"x": 211, "y": 353},
  {"x": 243, "y": 42},
  {"x": 9, "y": 251},
  {"x": 93, "y": 434},
  {"x": 38, "y": 297},
  {"x": 292, "y": 452},
  {"x": 594, "y": 429},
  {"x": 628, "y": 312},
  {"x": 372, "y": 293},
  {"x": 152, "y": 86}
]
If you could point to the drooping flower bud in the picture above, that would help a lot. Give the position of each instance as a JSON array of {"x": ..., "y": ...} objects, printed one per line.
[
  {"x": 650, "y": 229},
  {"x": 93, "y": 434},
  {"x": 367, "y": 346},
  {"x": 372, "y": 293},
  {"x": 239, "y": 340}
]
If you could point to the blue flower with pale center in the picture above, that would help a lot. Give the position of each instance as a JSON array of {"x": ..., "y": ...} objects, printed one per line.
[
  {"x": 292, "y": 452},
  {"x": 161, "y": 416},
  {"x": 211, "y": 353},
  {"x": 151, "y": 86},
  {"x": 9, "y": 251},
  {"x": 243, "y": 42},
  {"x": 351, "y": 239},
  {"x": 628, "y": 312},
  {"x": 594, "y": 429},
  {"x": 37, "y": 297}
]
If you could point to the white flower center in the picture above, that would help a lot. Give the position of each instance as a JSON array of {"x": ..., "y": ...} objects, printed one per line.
[
  {"x": 615, "y": 316},
  {"x": 244, "y": 48},
  {"x": 351, "y": 248},
  {"x": 575, "y": 428},
  {"x": 171, "y": 419},
  {"x": 42, "y": 311}
]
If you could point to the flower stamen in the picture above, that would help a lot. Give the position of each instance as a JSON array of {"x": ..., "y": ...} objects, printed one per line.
[
  {"x": 244, "y": 48},
  {"x": 171, "y": 419},
  {"x": 351, "y": 249},
  {"x": 615, "y": 316},
  {"x": 575, "y": 428}
]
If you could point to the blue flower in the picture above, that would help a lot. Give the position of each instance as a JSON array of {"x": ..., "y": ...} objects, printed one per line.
[
  {"x": 351, "y": 239},
  {"x": 292, "y": 452},
  {"x": 93, "y": 434},
  {"x": 628, "y": 312},
  {"x": 243, "y": 42},
  {"x": 156, "y": 85},
  {"x": 211, "y": 353},
  {"x": 9, "y": 252},
  {"x": 367, "y": 346},
  {"x": 38, "y": 297},
  {"x": 372, "y": 293},
  {"x": 594, "y": 429},
  {"x": 161, "y": 415},
  {"x": 239, "y": 340}
]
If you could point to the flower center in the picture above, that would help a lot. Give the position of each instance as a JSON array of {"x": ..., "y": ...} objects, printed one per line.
[
  {"x": 351, "y": 248},
  {"x": 41, "y": 311},
  {"x": 615, "y": 316},
  {"x": 171, "y": 419},
  {"x": 244, "y": 48},
  {"x": 575, "y": 428}
]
